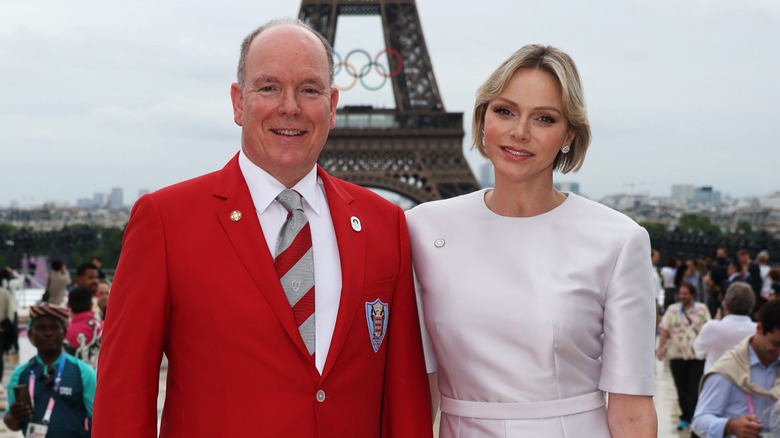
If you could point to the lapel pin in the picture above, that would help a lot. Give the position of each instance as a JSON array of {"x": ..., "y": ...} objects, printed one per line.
[
  {"x": 235, "y": 215},
  {"x": 356, "y": 223},
  {"x": 438, "y": 243}
]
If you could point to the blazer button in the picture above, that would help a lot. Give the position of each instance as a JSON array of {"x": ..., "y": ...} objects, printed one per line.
[{"x": 320, "y": 396}]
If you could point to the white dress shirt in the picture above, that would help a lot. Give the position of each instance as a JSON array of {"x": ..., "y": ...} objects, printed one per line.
[
  {"x": 264, "y": 189},
  {"x": 718, "y": 337}
]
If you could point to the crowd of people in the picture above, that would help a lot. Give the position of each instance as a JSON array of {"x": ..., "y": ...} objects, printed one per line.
[
  {"x": 718, "y": 332},
  {"x": 52, "y": 393}
]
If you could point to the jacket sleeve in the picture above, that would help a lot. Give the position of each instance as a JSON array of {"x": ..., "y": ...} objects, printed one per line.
[
  {"x": 406, "y": 407},
  {"x": 134, "y": 333}
]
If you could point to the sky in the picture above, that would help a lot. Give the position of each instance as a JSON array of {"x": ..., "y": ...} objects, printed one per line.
[{"x": 98, "y": 94}]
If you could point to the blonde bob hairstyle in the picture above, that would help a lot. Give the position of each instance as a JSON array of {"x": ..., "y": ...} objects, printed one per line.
[{"x": 561, "y": 66}]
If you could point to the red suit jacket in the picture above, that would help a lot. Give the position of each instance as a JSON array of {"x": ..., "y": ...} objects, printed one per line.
[{"x": 198, "y": 283}]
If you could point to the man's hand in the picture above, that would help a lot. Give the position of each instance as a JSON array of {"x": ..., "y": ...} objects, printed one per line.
[
  {"x": 20, "y": 411},
  {"x": 16, "y": 414},
  {"x": 748, "y": 426}
]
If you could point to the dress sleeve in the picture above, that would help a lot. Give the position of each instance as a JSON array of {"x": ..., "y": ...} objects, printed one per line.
[
  {"x": 629, "y": 320},
  {"x": 431, "y": 365}
]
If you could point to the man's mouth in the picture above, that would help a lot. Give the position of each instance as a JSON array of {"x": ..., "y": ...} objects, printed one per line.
[{"x": 287, "y": 132}]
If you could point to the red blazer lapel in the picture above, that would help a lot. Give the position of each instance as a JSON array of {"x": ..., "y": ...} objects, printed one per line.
[
  {"x": 239, "y": 220},
  {"x": 352, "y": 255}
]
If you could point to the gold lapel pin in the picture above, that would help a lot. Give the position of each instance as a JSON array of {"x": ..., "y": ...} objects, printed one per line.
[{"x": 235, "y": 215}]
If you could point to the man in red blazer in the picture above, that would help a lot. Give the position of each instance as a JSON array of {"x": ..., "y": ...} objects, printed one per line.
[{"x": 196, "y": 280}]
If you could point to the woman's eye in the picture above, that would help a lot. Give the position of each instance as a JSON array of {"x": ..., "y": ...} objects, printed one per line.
[
  {"x": 546, "y": 119},
  {"x": 502, "y": 111}
]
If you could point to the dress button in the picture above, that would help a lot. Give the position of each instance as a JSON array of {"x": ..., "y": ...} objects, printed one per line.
[{"x": 320, "y": 396}]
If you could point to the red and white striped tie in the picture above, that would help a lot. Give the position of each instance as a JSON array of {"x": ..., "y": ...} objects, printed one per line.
[{"x": 294, "y": 264}]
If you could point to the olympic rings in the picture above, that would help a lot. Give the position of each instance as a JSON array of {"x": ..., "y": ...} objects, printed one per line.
[
  {"x": 397, "y": 56},
  {"x": 362, "y": 72},
  {"x": 383, "y": 74},
  {"x": 346, "y": 60},
  {"x": 354, "y": 76}
]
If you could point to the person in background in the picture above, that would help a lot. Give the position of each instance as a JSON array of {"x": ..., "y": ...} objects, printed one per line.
[
  {"x": 762, "y": 259},
  {"x": 57, "y": 282},
  {"x": 668, "y": 274},
  {"x": 680, "y": 326},
  {"x": 537, "y": 302},
  {"x": 102, "y": 299},
  {"x": 98, "y": 264},
  {"x": 740, "y": 389},
  {"x": 61, "y": 387},
  {"x": 719, "y": 336},
  {"x": 8, "y": 330},
  {"x": 751, "y": 273},
  {"x": 83, "y": 336},
  {"x": 87, "y": 276}
]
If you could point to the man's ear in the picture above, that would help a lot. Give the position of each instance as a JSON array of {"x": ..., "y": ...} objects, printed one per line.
[{"x": 237, "y": 97}]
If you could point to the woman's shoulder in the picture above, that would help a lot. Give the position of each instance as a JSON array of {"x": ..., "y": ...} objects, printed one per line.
[
  {"x": 588, "y": 210},
  {"x": 445, "y": 207}
]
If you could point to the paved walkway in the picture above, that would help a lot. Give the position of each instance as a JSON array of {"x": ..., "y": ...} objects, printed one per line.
[{"x": 665, "y": 396}]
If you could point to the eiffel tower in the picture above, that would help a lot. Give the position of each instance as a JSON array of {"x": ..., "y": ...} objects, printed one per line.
[{"x": 415, "y": 149}]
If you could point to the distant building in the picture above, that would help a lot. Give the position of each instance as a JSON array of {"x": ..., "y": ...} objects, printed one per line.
[
  {"x": 115, "y": 198},
  {"x": 706, "y": 196},
  {"x": 572, "y": 187},
  {"x": 771, "y": 201},
  {"x": 682, "y": 194},
  {"x": 96, "y": 201}
]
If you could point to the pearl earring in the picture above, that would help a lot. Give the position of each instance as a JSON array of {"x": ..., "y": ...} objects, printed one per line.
[{"x": 566, "y": 149}]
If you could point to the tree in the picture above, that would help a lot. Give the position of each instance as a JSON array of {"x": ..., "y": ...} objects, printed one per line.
[
  {"x": 694, "y": 223},
  {"x": 653, "y": 227}
]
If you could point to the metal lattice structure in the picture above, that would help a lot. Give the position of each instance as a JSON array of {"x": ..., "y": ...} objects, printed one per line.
[{"x": 415, "y": 149}]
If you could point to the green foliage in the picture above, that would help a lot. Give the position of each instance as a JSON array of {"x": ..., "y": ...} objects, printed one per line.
[
  {"x": 653, "y": 227},
  {"x": 77, "y": 244},
  {"x": 744, "y": 229},
  {"x": 694, "y": 223},
  {"x": 7, "y": 228}
]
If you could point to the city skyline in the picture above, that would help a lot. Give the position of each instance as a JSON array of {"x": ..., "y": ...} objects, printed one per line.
[{"x": 143, "y": 102}]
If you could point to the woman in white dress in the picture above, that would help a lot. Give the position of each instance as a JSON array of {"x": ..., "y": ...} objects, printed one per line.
[{"x": 535, "y": 302}]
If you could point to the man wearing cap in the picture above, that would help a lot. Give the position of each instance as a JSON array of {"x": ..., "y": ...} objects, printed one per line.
[
  {"x": 282, "y": 297},
  {"x": 60, "y": 387}
]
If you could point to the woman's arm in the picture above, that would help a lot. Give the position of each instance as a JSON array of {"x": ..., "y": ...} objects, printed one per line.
[{"x": 632, "y": 416}]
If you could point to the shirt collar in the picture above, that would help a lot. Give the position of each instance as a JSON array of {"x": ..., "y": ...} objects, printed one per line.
[
  {"x": 754, "y": 361},
  {"x": 264, "y": 188},
  {"x": 731, "y": 316}
]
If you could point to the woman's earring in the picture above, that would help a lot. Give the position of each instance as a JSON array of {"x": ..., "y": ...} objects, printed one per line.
[{"x": 566, "y": 149}]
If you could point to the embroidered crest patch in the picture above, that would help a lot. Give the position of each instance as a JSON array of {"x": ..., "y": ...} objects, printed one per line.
[{"x": 377, "y": 313}]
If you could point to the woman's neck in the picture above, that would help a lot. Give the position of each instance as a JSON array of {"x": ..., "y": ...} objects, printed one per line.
[{"x": 516, "y": 200}]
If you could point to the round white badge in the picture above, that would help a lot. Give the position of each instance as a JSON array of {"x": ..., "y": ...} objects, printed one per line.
[{"x": 355, "y": 223}]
